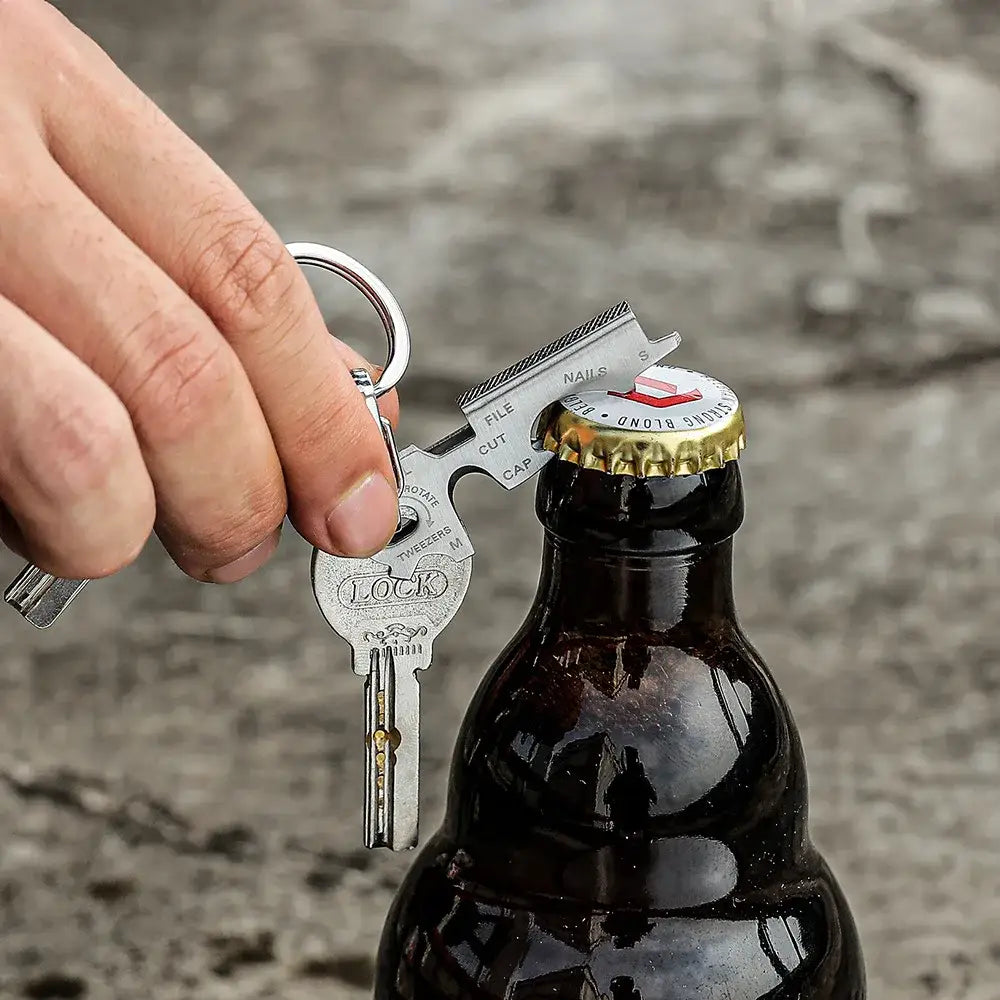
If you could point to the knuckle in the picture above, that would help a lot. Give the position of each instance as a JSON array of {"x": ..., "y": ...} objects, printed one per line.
[
  {"x": 36, "y": 26},
  {"x": 264, "y": 510},
  {"x": 86, "y": 503},
  {"x": 236, "y": 532},
  {"x": 81, "y": 440},
  {"x": 17, "y": 19},
  {"x": 244, "y": 273},
  {"x": 187, "y": 376}
]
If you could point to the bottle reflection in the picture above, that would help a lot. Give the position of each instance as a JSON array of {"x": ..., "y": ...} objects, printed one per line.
[
  {"x": 626, "y": 930},
  {"x": 630, "y": 797},
  {"x": 577, "y": 984},
  {"x": 623, "y": 988}
]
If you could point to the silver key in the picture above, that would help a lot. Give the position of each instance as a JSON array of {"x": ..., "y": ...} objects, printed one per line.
[
  {"x": 40, "y": 597},
  {"x": 391, "y": 625}
]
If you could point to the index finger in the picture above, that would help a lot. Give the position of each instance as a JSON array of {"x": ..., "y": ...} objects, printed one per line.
[{"x": 176, "y": 204}]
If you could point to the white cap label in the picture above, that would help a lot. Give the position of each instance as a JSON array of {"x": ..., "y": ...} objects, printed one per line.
[{"x": 663, "y": 399}]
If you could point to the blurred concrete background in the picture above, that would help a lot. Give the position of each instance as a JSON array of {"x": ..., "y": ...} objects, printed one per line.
[{"x": 808, "y": 190}]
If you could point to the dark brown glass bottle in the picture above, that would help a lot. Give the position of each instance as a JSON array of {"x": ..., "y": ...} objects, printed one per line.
[{"x": 627, "y": 810}]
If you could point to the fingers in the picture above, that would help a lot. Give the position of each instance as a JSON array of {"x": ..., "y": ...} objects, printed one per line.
[
  {"x": 178, "y": 206},
  {"x": 77, "y": 499},
  {"x": 219, "y": 490}
]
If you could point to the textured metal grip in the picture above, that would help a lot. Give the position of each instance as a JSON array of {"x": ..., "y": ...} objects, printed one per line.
[{"x": 542, "y": 354}]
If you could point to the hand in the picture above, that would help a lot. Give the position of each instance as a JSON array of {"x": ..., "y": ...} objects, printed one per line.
[{"x": 163, "y": 363}]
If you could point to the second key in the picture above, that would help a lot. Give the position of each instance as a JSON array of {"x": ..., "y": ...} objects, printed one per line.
[{"x": 391, "y": 626}]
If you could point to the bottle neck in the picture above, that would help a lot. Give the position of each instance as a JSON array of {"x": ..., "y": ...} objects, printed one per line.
[
  {"x": 611, "y": 593},
  {"x": 627, "y": 555}
]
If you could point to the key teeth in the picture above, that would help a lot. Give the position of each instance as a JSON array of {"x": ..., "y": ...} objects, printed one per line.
[
  {"x": 377, "y": 776},
  {"x": 392, "y": 777}
]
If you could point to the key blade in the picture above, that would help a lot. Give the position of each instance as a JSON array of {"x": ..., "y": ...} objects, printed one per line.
[
  {"x": 378, "y": 750},
  {"x": 404, "y": 802},
  {"x": 392, "y": 751},
  {"x": 40, "y": 597}
]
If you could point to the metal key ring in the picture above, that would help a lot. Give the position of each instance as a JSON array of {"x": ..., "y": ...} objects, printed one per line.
[{"x": 373, "y": 289}]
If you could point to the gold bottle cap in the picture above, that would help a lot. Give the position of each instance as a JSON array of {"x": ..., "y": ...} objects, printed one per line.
[{"x": 674, "y": 422}]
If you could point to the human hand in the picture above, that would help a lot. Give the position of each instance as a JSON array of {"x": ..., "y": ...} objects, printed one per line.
[{"x": 163, "y": 363}]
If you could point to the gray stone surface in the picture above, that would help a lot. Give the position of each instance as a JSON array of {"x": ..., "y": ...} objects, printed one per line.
[{"x": 179, "y": 813}]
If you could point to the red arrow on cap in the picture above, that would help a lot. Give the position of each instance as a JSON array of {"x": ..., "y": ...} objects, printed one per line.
[{"x": 673, "y": 397}]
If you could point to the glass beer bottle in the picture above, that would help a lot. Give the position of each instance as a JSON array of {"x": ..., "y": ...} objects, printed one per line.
[{"x": 627, "y": 815}]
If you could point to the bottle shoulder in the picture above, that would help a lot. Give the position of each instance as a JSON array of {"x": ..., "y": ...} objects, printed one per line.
[
  {"x": 675, "y": 672},
  {"x": 664, "y": 732}
]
